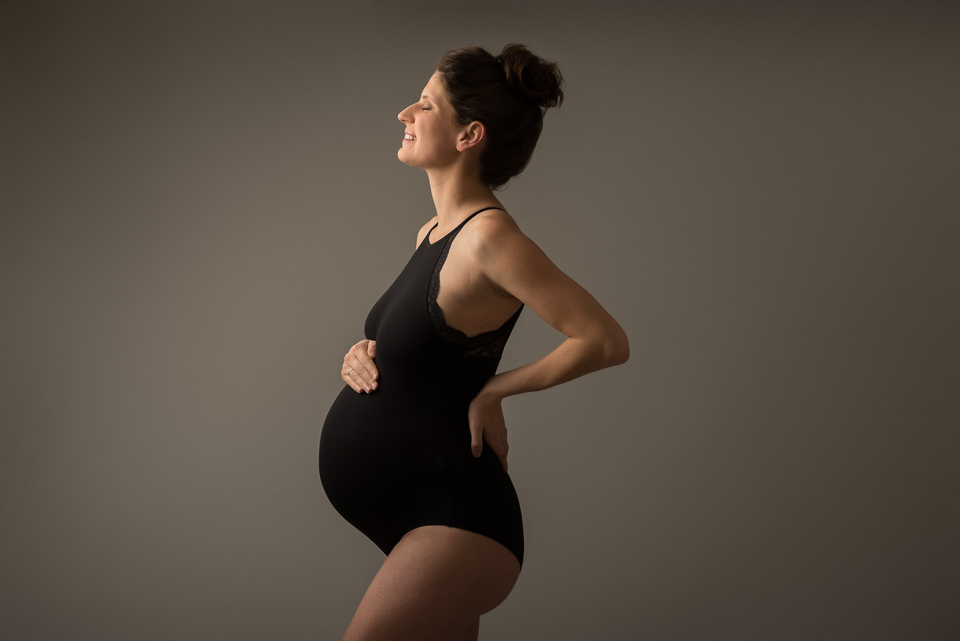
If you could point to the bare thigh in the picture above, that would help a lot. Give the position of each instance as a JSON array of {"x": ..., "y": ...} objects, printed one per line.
[{"x": 434, "y": 586}]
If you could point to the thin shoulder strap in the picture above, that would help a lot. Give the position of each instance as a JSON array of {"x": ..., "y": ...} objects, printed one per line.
[
  {"x": 456, "y": 230},
  {"x": 475, "y": 213},
  {"x": 450, "y": 235}
]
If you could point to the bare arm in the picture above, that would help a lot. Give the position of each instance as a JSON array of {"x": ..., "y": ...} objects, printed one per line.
[{"x": 515, "y": 264}]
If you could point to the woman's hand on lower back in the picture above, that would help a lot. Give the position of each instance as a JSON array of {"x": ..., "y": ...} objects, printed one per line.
[
  {"x": 359, "y": 371},
  {"x": 486, "y": 424}
]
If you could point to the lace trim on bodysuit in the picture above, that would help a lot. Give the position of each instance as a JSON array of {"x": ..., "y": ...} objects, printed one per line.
[{"x": 489, "y": 344}]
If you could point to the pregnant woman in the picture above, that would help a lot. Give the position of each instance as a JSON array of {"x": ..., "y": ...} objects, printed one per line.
[{"x": 413, "y": 451}]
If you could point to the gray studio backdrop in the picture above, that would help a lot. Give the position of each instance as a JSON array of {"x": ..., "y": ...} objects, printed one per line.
[{"x": 201, "y": 201}]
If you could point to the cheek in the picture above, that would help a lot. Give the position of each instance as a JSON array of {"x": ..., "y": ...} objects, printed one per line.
[{"x": 443, "y": 136}]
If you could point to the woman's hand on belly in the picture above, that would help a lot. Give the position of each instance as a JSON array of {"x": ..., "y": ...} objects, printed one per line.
[
  {"x": 359, "y": 371},
  {"x": 486, "y": 424}
]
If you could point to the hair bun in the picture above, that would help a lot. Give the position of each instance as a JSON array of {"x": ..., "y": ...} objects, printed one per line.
[{"x": 531, "y": 76}]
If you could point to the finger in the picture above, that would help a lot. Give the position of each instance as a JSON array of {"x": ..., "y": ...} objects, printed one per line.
[
  {"x": 365, "y": 364},
  {"x": 348, "y": 376},
  {"x": 369, "y": 370},
  {"x": 476, "y": 440},
  {"x": 365, "y": 376},
  {"x": 371, "y": 353},
  {"x": 500, "y": 449},
  {"x": 358, "y": 372},
  {"x": 362, "y": 377}
]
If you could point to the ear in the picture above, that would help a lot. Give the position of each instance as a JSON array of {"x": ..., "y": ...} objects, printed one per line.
[{"x": 471, "y": 136}]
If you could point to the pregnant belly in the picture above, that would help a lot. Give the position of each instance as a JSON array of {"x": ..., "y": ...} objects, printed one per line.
[{"x": 374, "y": 446}]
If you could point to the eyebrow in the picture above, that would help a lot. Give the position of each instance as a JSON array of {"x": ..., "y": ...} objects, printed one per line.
[{"x": 427, "y": 96}]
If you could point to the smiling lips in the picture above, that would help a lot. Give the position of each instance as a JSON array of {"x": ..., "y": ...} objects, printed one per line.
[{"x": 407, "y": 137}]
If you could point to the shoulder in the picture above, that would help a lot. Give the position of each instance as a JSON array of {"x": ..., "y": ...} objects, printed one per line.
[
  {"x": 491, "y": 230},
  {"x": 427, "y": 226},
  {"x": 513, "y": 264},
  {"x": 496, "y": 239}
]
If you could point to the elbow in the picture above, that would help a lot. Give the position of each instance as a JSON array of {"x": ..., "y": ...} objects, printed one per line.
[{"x": 617, "y": 348}]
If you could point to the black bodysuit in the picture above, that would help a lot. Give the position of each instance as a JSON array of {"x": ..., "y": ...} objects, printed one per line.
[{"x": 399, "y": 457}]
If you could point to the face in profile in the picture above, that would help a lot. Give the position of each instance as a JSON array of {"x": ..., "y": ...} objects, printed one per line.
[{"x": 430, "y": 129}]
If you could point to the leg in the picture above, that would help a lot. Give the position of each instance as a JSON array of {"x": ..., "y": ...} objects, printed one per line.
[{"x": 434, "y": 586}]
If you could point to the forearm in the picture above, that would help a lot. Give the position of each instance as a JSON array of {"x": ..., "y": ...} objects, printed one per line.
[{"x": 571, "y": 359}]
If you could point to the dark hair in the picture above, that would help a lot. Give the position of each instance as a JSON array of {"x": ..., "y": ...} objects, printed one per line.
[{"x": 509, "y": 94}]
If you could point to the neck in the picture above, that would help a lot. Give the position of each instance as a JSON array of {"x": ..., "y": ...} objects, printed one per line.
[{"x": 457, "y": 195}]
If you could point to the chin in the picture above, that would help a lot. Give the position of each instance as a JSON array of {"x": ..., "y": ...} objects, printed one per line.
[{"x": 401, "y": 158}]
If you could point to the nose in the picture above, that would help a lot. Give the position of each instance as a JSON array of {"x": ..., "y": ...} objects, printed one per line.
[{"x": 400, "y": 116}]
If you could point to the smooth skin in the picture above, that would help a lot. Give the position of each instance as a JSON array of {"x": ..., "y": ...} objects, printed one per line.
[{"x": 438, "y": 580}]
